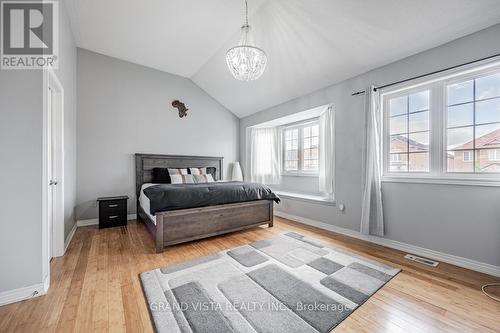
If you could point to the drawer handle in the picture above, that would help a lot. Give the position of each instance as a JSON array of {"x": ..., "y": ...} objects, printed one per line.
[
  {"x": 113, "y": 216},
  {"x": 112, "y": 206}
]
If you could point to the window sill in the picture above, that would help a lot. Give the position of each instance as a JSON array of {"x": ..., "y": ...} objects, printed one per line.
[
  {"x": 306, "y": 197},
  {"x": 471, "y": 181},
  {"x": 301, "y": 174}
]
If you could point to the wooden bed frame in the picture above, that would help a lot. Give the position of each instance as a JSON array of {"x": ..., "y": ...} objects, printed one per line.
[{"x": 184, "y": 225}]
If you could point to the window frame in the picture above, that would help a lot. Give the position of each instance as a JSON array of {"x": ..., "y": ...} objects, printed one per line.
[
  {"x": 437, "y": 85},
  {"x": 300, "y": 125}
]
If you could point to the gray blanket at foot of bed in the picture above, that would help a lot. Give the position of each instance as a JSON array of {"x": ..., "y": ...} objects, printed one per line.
[{"x": 165, "y": 197}]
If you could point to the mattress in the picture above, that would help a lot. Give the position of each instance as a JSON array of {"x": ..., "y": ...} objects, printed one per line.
[{"x": 145, "y": 203}]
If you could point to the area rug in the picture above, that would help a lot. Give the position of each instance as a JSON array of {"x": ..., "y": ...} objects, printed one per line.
[{"x": 289, "y": 283}]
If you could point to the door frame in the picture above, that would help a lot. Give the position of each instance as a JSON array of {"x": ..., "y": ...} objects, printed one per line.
[{"x": 50, "y": 80}]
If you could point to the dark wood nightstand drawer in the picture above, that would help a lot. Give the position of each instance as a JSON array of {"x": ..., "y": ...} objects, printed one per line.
[
  {"x": 113, "y": 205},
  {"x": 112, "y": 211},
  {"x": 113, "y": 220}
]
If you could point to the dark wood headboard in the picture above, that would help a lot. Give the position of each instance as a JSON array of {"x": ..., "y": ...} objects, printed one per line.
[{"x": 144, "y": 164}]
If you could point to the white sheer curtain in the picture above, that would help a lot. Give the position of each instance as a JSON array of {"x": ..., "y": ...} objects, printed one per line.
[
  {"x": 327, "y": 152},
  {"x": 372, "y": 215},
  {"x": 264, "y": 155}
]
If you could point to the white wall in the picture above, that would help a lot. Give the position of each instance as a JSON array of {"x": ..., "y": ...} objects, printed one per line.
[
  {"x": 21, "y": 112},
  {"x": 125, "y": 109},
  {"x": 458, "y": 220}
]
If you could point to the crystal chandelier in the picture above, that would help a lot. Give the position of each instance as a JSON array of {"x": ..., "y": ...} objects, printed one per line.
[{"x": 246, "y": 62}]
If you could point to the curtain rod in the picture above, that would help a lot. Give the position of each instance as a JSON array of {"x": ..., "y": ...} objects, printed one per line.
[{"x": 362, "y": 92}]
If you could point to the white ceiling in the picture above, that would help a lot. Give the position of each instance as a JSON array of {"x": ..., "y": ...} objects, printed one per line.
[{"x": 310, "y": 43}]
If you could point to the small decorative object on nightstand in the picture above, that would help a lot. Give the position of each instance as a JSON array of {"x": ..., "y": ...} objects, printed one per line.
[{"x": 112, "y": 211}]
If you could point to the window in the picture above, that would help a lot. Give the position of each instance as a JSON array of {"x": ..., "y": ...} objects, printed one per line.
[
  {"x": 409, "y": 132},
  {"x": 494, "y": 155},
  {"x": 291, "y": 149},
  {"x": 445, "y": 128},
  {"x": 301, "y": 148},
  {"x": 473, "y": 122},
  {"x": 395, "y": 158},
  {"x": 467, "y": 156}
]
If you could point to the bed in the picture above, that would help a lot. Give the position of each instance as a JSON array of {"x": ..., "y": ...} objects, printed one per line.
[{"x": 174, "y": 226}]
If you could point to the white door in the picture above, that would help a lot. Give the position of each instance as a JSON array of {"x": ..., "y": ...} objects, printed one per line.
[
  {"x": 51, "y": 167},
  {"x": 53, "y": 175}
]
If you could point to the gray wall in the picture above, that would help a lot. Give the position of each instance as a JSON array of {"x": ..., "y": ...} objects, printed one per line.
[
  {"x": 459, "y": 220},
  {"x": 21, "y": 111},
  {"x": 301, "y": 184},
  {"x": 21, "y": 103},
  {"x": 124, "y": 109}
]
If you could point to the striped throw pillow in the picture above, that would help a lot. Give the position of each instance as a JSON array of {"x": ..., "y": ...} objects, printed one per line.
[
  {"x": 177, "y": 171},
  {"x": 182, "y": 179},
  {"x": 203, "y": 178},
  {"x": 198, "y": 171}
]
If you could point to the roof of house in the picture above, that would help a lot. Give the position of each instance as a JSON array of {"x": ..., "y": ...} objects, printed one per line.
[
  {"x": 411, "y": 142},
  {"x": 490, "y": 140}
]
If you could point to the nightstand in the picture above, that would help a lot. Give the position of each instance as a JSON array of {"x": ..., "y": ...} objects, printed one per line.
[{"x": 112, "y": 211}]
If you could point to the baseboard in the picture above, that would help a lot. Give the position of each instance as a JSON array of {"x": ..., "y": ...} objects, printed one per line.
[
  {"x": 85, "y": 223},
  {"x": 21, "y": 294},
  {"x": 70, "y": 237},
  {"x": 46, "y": 284},
  {"x": 408, "y": 248}
]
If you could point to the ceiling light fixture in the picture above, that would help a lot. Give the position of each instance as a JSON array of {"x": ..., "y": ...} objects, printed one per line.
[{"x": 246, "y": 62}]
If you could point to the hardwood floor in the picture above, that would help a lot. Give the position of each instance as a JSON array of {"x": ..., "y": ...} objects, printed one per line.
[{"x": 95, "y": 286}]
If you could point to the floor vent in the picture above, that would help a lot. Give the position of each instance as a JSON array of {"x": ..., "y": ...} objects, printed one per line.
[{"x": 421, "y": 260}]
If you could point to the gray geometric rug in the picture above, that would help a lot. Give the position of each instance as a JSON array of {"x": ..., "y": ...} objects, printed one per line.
[{"x": 290, "y": 283}]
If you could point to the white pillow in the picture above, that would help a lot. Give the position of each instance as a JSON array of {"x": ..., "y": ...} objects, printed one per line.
[
  {"x": 203, "y": 178},
  {"x": 182, "y": 179}
]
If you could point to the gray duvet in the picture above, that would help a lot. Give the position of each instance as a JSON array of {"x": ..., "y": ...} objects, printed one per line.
[{"x": 165, "y": 197}]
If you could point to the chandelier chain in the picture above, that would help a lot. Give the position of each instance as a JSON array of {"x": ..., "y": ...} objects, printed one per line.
[{"x": 246, "y": 13}]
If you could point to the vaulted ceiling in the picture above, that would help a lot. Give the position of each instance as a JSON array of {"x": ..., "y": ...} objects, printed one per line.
[{"x": 310, "y": 44}]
